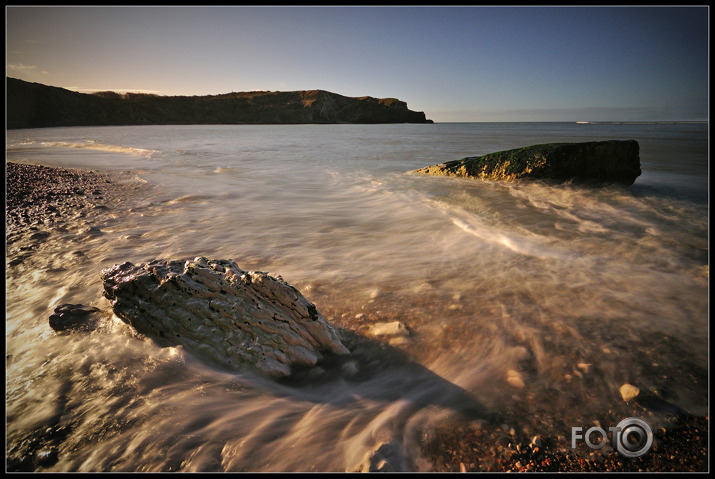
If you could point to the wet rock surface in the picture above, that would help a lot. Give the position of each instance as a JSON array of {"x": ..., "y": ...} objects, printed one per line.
[
  {"x": 60, "y": 206},
  {"x": 36, "y": 195},
  {"x": 72, "y": 317},
  {"x": 222, "y": 313},
  {"x": 54, "y": 214},
  {"x": 600, "y": 161}
]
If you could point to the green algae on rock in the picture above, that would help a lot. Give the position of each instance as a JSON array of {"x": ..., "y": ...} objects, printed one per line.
[{"x": 602, "y": 161}]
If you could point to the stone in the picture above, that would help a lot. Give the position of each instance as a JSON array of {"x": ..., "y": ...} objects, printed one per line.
[
  {"x": 221, "y": 313},
  {"x": 584, "y": 367},
  {"x": 386, "y": 458},
  {"x": 514, "y": 378},
  {"x": 71, "y": 316},
  {"x": 40, "y": 235},
  {"x": 393, "y": 329},
  {"x": 350, "y": 368},
  {"x": 615, "y": 161},
  {"x": 629, "y": 392},
  {"x": 92, "y": 231}
]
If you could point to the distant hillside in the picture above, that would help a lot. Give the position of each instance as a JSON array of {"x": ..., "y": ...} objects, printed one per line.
[{"x": 32, "y": 105}]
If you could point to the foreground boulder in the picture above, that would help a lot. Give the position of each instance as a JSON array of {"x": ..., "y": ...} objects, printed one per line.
[
  {"x": 222, "y": 313},
  {"x": 602, "y": 161}
]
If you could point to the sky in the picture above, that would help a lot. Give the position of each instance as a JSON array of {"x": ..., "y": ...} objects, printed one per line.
[{"x": 457, "y": 63}]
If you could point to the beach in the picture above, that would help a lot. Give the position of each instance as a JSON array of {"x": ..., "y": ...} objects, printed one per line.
[
  {"x": 482, "y": 317},
  {"x": 46, "y": 201}
]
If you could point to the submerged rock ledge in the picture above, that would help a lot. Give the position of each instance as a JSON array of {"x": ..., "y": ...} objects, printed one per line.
[
  {"x": 220, "y": 312},
  {"x": 602, "y": 161}
]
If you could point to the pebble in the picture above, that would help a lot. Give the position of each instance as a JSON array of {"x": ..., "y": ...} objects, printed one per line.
[
  {"x": 629, "y": 392},
  {"x": 394, "y": 328},
  {"x": 584, "y": 367},
  {"x": 513, "y": 377},
  {"x": 40, "y": 235},
  {"x": 47, "y": 458},
  {"x": 93, "y": 230},
  {"x": 350, "y": 368}
]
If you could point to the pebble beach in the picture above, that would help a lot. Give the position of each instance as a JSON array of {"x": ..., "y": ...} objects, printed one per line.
[{"x": 41, "y": 203}]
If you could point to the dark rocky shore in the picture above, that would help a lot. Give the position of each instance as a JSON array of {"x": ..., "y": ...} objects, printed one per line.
[
  {"x": 47, "y": 204},
  {"x": 41, "y": 195},
  {"x": 46, "y": 207}
]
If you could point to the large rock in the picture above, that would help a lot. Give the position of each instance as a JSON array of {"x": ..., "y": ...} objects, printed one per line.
[
  {"x": 220, "y": 312},
  {"x": 603, "y": 161}
]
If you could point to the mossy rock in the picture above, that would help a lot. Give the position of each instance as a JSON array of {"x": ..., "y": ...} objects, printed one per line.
[{"x": 601, "y": 161}]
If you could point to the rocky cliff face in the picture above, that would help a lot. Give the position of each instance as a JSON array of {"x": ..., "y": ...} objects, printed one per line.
[
  {"x": 601, "y": 161},
  {"x": 32, "y": 105},
  {"x": 231, "y": 317}
]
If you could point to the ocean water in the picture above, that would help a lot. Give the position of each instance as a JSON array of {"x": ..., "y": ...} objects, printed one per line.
[{"x": 528, "y": 303}]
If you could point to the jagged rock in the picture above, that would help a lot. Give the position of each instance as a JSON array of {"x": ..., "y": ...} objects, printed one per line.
[
  {"x": 604, "y": 161},
  {"x": 220, "y": 312},
  {"x": 71, "y": 316}
]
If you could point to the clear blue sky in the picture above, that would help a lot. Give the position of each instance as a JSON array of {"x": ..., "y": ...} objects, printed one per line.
[{"x": 453, "y": 63}]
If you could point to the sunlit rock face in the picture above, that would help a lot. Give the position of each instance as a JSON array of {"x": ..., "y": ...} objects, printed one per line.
[
  {"x": 615, "y": 161},
  {"x": 220, "y": 312}
]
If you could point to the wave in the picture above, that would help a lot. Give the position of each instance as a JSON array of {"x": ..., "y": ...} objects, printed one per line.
[
  {"x": 91, "y": 145},
  {"x": 536, "y": 245},
  {"x": 190, "y": 199}
]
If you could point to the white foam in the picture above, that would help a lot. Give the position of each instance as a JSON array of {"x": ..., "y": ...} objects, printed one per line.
[{"x": 92, "y": 145}]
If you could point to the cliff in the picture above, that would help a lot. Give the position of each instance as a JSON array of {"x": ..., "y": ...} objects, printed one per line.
[
  {"x": 616, "y": 161},
  {"x": 32, "y": 105}
]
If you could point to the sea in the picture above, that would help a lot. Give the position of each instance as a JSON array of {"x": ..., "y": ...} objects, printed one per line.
[{"x": 527, "y": 305}]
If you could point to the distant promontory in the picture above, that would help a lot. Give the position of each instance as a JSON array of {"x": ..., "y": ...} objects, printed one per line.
[{"x": 33, "y": 105}]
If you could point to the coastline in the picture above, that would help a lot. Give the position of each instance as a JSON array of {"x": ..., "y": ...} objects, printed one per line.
[
  {"x": 43, "y": 203},
  {"x": 47, "y": 202}
]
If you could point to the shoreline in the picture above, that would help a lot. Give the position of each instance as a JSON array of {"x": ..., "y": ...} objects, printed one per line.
[
  {"x": 45, "y": 203},
  {"x": 42, "y": 202}
]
